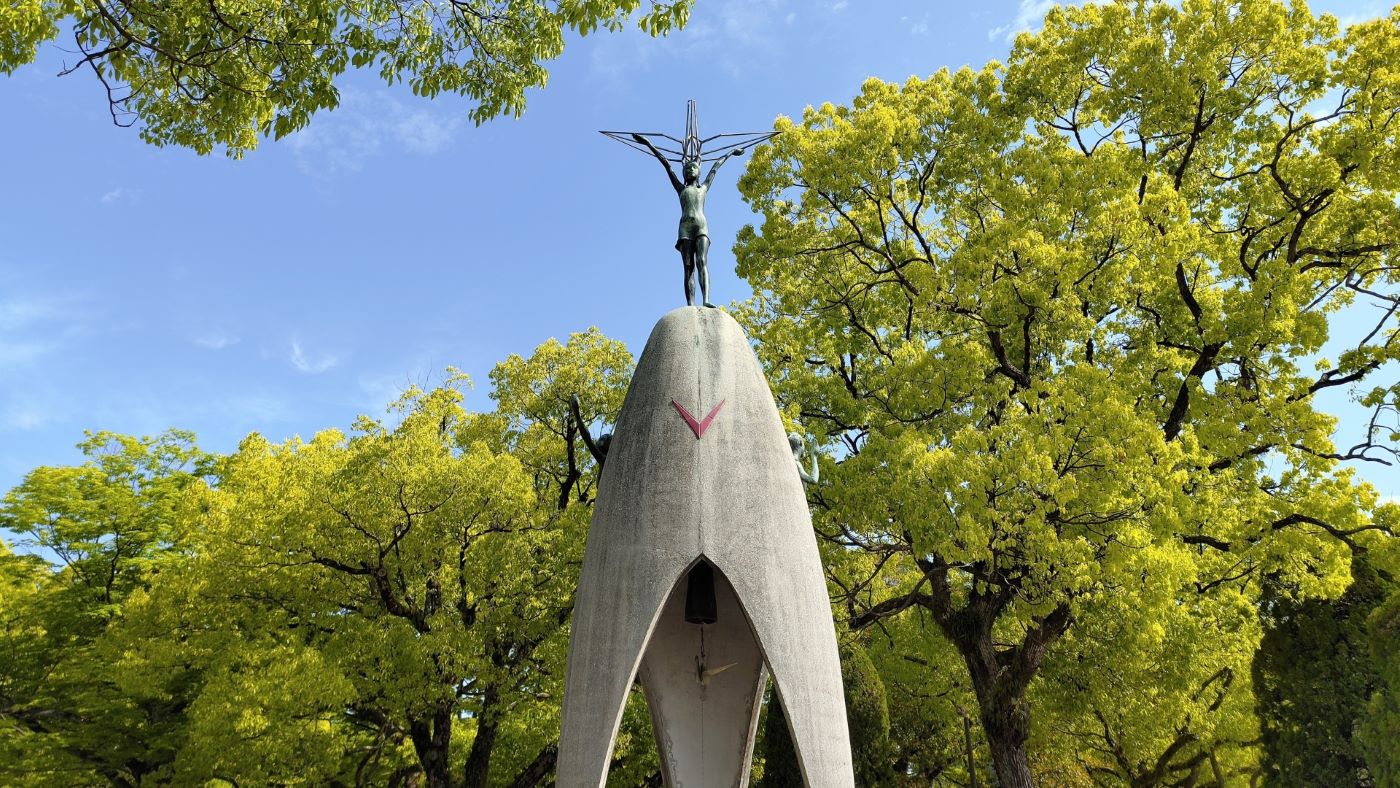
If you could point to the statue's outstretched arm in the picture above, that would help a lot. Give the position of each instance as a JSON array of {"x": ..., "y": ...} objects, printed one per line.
[
  {"x": 810, "y": 478},
  {"x": 714, "y": 168},
  {"x": 598, "y": 455},
  {"x": 799, "y": 447},
  {"x": 665, "y": 165}
]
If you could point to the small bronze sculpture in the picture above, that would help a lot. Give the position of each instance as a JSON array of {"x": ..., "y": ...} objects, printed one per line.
[
  {"x": 693, "y": 238},
  {"x": 799, "y": 448},
  {"x": 598, "y": 449}
]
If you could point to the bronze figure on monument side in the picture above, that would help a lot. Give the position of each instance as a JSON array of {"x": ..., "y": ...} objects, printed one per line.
[
  {"x": 799, "y": 448},
  {"x": 598, "y": 448}
]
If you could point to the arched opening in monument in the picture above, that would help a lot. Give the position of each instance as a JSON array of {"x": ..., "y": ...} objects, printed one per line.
[{"x": 703, "y": 675}]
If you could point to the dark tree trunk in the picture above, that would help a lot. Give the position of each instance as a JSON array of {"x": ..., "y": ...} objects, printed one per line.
[
  {"x": 432, "y": 738},
  {"x": 1011, "y": 764},
  {"x": 971, "y": 754},
  {"x": 539, "y": 769},
  {"x": 406, "y": 777},
  {"x": 478, "y": 768},
  {"x": 1001, "y": 704},
  {"x": 1000, "y": 677}
]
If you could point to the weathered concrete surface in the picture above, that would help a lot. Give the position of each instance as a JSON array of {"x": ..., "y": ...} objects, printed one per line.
[{"x": 666, "y": 499}]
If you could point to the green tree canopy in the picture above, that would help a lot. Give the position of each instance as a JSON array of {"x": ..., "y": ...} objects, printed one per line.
[
  {"x": 207, "y": 74},
  {"x": 1063, "y": 320},
  {"x": 419, "y": 561},
  {"x": 1379, "y": 729},
  {"x": 1313, "y": 676},
  {"x": 107, "y": 525},
  {"x": 386, "y": 606},
  {"x": 430, "y": 562}
]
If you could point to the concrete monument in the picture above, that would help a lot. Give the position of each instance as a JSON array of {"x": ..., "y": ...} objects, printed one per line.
[{"x": 701, "y": 575}]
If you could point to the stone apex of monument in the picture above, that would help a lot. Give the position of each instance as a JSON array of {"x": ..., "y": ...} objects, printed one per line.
[{"x": 700, "y": 472}]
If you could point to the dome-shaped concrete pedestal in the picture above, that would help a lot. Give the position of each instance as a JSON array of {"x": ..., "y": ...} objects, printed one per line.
[{"x": 700, "y": 469}]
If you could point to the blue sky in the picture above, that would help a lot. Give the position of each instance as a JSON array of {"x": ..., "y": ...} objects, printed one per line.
[{"x": 143, "y": 288}]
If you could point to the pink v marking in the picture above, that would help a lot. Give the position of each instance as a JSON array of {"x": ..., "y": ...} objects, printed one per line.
[{"x": 697, "y": 427}]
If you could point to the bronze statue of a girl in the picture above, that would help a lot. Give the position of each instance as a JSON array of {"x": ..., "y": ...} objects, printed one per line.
[{"x": 693, "y": 237}]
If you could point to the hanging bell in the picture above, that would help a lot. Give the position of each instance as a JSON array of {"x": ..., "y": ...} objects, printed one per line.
[{"x": 700, "y": 607}]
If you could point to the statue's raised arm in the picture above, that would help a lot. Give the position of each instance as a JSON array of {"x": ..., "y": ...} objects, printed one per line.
[
  {"x": 714, "y": 168},
  {"x": 665, "y": 165},
  {"x": 599, "y": 450}
]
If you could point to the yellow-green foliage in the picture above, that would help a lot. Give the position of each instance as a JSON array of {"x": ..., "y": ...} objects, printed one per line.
[
  {"x": 1060, "y": 321},
  {"x": 105, "y": 527},
  {"x": 382, "y": 605},
  {"x": 221, "y": 74}
]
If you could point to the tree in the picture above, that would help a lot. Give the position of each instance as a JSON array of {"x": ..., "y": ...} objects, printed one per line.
[
  {"x": 1313, "y": 675},
  {"x": 1061, "y": 321},
  {"x": 108, "y": 524},
  {"x": 1379, "y": 726},
  {"x": 931, "y": 707},
  {"x": 425, "y": 577},
  {"x": 220, "y": 73},
  {"x": 867, "y": 717},
  {"x": 1152, "y": 701},
  {"x": 779, "y": 755},
  {"x": 21, "y": 582},
  {"x": 424, "y": 568},
  {"x": 387, "y": 607},
  {"x": 533, "y": 394}
]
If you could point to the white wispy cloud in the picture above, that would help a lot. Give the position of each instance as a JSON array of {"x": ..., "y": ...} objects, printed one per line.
[
  {"x": 31, "y": 401},
  {"x": 752, "y": 23},
  {"x": 341, "y": 141},
  {"x": 1364, "y": 14},
  {"x": 918, "y": 28},
  {"x": 34, "y": 326},
  {"x": 22, "y": 312},
  {"x": 737, "y": 36},
  {"x": 379, "y": 391},
  {"x": 215, "y": 340},
  {"x": 23, "y": 415},
  {"x": 120, "y": 193},
  {"x": 425, "y": 132},
  {"x": 614, "y": 57},
  {"x": 1029, "y": 15},
  {"x": 21, "y": 353},
  {"x": 311, "y": 365}
]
